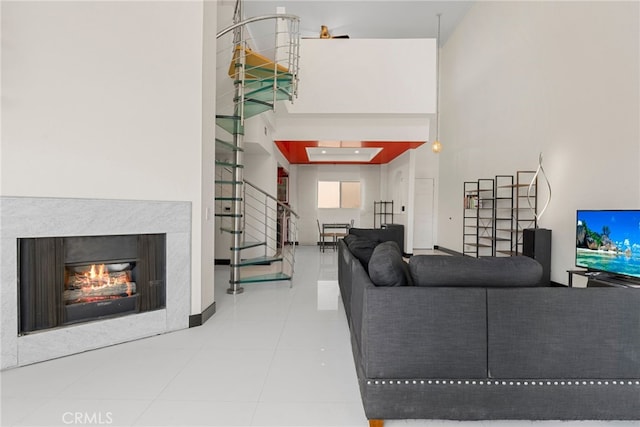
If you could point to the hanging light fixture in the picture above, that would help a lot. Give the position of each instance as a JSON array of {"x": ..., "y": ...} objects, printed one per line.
[{"x": 436, "y": 147}]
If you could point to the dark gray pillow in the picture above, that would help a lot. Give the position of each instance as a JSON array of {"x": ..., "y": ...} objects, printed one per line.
[
  {"x": 368, "y": 233},
  {"x": 386, "y": 266},
  {"x": 443, "y": 270},
  {"x": 361, "y": 247}
]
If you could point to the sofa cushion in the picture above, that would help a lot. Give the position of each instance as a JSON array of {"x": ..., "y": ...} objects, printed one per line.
[
  {"x": 361, "y": 248},
  {"x": 443, "y": 270},
  {"x": 564, "y": 333},
  {"x": 386, "y": 266}
]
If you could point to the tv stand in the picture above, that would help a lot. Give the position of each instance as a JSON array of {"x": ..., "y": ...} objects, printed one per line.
[{"x": 601, "y": 278}]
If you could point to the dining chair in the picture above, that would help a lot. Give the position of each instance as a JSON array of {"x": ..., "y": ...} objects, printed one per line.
[{"x": 324, "y": 235}]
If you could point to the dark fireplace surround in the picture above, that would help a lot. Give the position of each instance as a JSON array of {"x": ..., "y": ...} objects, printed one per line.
[{"x": 59, "y": 285}]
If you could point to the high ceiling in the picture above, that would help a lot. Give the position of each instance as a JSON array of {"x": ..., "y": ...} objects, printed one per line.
[
  {"x": 369, "y": 19},
  {"x": 372, "y": 19}
]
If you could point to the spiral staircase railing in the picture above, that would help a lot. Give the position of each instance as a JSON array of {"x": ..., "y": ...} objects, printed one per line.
[{"x": 263, "y": 230}]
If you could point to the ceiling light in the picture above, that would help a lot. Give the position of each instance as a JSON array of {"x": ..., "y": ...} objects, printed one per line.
[
  {"x": 436, "y": 147},
  {"x": 363, "y": 155}
]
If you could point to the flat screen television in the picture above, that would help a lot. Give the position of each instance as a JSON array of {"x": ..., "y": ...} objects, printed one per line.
[{"x": 609, "y": 241}]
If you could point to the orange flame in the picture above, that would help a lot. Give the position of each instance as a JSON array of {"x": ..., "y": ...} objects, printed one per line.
[{"x": 100, "y": 276}]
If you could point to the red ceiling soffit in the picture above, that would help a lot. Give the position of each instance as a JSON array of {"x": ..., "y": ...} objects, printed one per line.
[{"x": 295, "y": 151}]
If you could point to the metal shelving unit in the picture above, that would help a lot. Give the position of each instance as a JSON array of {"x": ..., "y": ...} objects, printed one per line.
[
  {"x": 382, "y": 213},
  {"x": 504, "y": 223},
  {"x": 496, "y": 213},
  {"x": 478, "y": 216}
]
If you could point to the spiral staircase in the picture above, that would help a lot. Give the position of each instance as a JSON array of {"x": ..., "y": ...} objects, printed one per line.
[{"x": 262, "y": 230}]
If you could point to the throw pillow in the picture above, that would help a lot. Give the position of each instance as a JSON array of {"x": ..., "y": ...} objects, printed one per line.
[
  {"x": 361, "y": 247},
  {"x": 386, "y": 267}
]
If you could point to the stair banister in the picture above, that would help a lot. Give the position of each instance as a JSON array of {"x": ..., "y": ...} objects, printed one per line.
[
  {"x": 286, "y": 207},
  {"x": 252, "y": 224},
  {"x": 255, "y": 19},
  {"x": 238, "y": 137}
]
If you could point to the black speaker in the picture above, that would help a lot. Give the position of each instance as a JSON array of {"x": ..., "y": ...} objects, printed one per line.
[{"x": 536, "y": 244}]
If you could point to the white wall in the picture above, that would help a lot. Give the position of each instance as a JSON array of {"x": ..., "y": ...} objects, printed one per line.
[
  {"x": 105, "y": 100},
  {"x": 398, "y": 182},
  {"x": 398, "y": 176},
  {"x": 366, "y": 76},
  {"x": 520, "y": 78},
  {"x": 352, "y": 127},
  {"x": 307, "y": 177},
  {"x": 209, "y": 62}
]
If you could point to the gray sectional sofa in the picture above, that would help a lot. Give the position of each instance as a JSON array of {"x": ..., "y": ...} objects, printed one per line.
[{"x": 445, "y": 337}]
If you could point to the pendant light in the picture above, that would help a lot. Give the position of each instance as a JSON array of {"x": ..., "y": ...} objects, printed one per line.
[{"x": 436, "y": 147}]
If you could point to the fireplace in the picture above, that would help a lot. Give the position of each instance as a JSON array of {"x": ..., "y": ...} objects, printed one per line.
[{"x": 69, "y": 280}]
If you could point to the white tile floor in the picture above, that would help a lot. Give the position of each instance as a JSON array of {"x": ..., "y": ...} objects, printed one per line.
[{"x": 273, "y": 356}]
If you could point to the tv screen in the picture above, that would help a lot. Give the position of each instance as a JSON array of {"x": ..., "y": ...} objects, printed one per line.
[{"x": 609, "y": 240}]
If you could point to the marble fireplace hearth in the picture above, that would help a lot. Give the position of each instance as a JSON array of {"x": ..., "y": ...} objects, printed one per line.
[{"x": 30, "y": 217}]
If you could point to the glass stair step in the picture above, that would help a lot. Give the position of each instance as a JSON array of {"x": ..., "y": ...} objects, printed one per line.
[
  {"x": 230, "y": 230},
  {"x": 224, "y": 182},
  {"x": 228, "y": 199},
  {"x": 247, "y": 245},
  {"x": 231, "y": 124},
  {"x": 229, "y": 164},
  {"x": 228, "y": 146},
  {"x": 281, "y": 80},
  {"x": 259, "y": 260},
  {"x": 254, "y": 107},
  {"x": 248, "y": 101},
  {"x": 256, "y": 65},
  {"x": 266, "y": 94},
  {"x": 272, "y": 277},
  {"x": 260, "y": 73}
]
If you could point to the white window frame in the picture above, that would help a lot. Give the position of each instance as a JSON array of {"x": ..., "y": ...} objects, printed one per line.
[{"x": 337, "y": 202}]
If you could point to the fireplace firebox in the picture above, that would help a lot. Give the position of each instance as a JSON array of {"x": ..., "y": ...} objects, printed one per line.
[{"x": 68, "y": 280}]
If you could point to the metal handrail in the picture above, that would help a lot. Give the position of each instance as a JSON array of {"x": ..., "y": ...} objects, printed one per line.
[
  {"x": 254, "y": 214},
  {"x": 286, "y": 207},
  {"x": 255, "y": 19}
]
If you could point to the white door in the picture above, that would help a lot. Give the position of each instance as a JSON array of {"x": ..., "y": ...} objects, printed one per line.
[{"x": 423, "y": 214}]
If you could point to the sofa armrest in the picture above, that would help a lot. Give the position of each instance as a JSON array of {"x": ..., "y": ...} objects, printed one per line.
[
  {"x": 345, "y": 258},
  {"x": 410, "y": 332},
  {"x": 564, "y": 333}
]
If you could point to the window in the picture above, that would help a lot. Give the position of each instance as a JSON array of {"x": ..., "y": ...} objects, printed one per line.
[{"x": 338, "y": 194}]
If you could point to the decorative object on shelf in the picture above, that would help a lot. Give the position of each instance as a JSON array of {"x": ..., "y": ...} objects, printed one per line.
[
  {"x": 325, "y": 34},
  {"x": 436, "y": 147},
  {"x": 539, "y": 170}
]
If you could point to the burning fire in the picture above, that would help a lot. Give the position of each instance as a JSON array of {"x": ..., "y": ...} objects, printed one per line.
[{"x": 99, "y": 277}]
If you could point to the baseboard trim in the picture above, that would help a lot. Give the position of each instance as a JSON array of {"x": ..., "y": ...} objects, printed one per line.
[
  {"x": 447, "y": 250},
  {"x": 201, "y": 318}
]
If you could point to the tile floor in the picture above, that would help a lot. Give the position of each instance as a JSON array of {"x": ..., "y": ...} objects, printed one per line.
[{"x": 273, "y": 356}]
